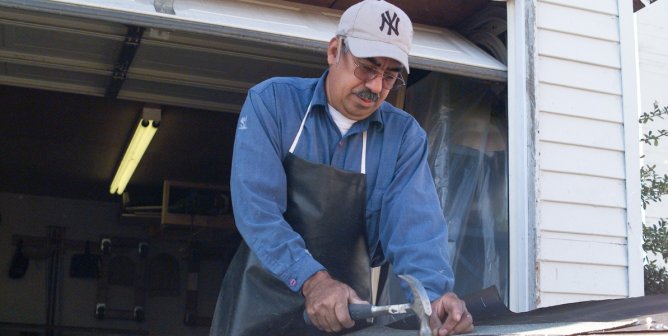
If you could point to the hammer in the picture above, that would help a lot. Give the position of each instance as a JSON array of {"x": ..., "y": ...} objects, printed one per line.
[{"x": 420, "y": 306}]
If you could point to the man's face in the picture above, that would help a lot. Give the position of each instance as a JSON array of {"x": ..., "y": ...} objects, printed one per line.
[{"x": 356, "y": 98}]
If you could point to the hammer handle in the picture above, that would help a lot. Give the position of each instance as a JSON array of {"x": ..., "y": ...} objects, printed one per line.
[
  {"x": 357, "y": 311},
  {"x": 362, "y": 311}
]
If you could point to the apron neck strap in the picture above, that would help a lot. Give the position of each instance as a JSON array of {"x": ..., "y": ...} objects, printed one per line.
[
  {"x": 363, "y": 165},
  {"x": 299, "y": 134}
]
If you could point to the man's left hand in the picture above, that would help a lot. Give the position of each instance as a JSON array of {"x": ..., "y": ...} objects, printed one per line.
[{"x": 449, "y": 316}]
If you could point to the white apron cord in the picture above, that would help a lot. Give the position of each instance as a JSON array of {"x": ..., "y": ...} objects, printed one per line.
[
  {"x": 299, "y": 134},
  {"x": 363, "y": 168}
]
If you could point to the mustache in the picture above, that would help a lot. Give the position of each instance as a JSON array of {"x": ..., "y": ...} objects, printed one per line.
[{"x": 368, "y": 95}]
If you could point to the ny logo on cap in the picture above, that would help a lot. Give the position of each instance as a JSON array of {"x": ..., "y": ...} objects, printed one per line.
[{"x": 392, "y": 23}]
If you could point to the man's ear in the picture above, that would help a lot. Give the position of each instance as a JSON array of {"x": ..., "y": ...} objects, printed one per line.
[{"x": 332, "y": 50}]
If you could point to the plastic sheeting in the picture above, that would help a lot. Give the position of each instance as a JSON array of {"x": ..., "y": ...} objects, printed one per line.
[{"x": 466, "y": 123}]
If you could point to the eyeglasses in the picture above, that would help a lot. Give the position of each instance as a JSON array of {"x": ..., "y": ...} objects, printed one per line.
[{"x": 391, "y": 81}]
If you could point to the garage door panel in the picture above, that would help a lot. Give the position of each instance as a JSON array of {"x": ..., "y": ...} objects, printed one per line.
[
  {"x": 284, "y": 24},
  {"x": 203, "y": 57},
  {"x": 182, "y": 95},
  {"x": 66, "y": 46},
  {"x": 252, "y": 49},
  {"x": 53, "y": 79},
  {"x": 63, "y": 22},
  {"x": 60, "y": 39},
  {"x": 209, "y": 65}
]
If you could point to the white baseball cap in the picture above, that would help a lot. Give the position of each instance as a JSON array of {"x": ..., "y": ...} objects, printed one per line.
[{"x": 376, "y": 28}]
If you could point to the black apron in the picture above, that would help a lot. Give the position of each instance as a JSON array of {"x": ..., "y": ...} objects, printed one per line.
[{"x": 327, "y": 207}]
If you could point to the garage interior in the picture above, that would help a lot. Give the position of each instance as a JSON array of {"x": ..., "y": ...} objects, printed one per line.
[{"x": 72, "y": 91}]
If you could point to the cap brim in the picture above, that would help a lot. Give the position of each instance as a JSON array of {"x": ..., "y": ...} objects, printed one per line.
[{"x": 366, "y": 48}]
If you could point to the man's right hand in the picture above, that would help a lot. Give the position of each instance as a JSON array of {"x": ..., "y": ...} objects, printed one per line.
[{"x": 327, "y": 302}]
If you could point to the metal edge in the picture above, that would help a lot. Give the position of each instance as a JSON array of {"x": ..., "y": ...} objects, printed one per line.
[{"x": 458, "y": 69}]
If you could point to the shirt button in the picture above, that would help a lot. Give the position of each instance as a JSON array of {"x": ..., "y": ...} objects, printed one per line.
[
  {"x": 341, "y": 143},
  {"x": 293, "y": 282}
]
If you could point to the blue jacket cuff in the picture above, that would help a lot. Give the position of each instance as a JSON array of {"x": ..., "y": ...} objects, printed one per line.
[{"x": 295, "y": 276}]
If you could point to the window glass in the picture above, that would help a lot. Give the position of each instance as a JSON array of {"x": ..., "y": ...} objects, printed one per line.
[{"x": 466, "y": 122}]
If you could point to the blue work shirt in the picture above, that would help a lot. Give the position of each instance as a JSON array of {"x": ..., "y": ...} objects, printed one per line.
[{"x": 404, "y": 221}]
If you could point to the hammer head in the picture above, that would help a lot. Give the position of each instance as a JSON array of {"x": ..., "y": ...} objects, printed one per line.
[{"x": 421, "y": 305}]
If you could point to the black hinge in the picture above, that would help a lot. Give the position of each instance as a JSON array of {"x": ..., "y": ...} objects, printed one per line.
[{"x": 120, "y": 72}]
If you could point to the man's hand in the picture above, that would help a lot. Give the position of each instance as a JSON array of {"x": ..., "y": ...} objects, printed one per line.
[
  {"x": 449, "y": 316},
  {"x": 327, "y": 302}
]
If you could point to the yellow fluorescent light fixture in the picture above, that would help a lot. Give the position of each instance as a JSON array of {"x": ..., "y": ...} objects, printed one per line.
[{"x": 146, "y": 129}]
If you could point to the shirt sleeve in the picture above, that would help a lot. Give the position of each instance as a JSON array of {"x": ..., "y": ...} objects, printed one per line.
[
  {"x": 258, "y": 186},
  {"x": 413, "y": 229}
]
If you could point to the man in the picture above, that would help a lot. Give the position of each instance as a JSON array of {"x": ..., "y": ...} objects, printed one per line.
[{"x": 328, "y": 179}]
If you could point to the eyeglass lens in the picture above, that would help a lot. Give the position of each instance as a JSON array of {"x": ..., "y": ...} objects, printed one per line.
[{"x": 367, "y": 73}]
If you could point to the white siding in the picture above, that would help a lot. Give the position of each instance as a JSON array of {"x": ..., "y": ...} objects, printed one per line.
[
  {"x": 582, "y": 219},
  {"x": 581, "y": 131},
  {"x": 604, "y": 7},
  {"x": 578, "y": 75},
  {"x": 582, "y": 49},
  {"x": 581, "y": 235},
  {"x": 580, "y": 103},
  {"x": 552, "y": 299},
  {"x": 578, "y": 278},
  {"x": 558, "y": 16},
  {"x": 582, "y": 160},
  {"x": 582, "y": 189},
  {"x": 583, "y": 249}
]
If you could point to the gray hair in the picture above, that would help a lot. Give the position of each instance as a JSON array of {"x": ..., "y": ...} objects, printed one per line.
[{"x": 343, "y": 47}]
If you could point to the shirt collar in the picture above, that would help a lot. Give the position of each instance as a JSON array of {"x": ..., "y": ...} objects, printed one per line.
[{"x": 320, "y": 99}]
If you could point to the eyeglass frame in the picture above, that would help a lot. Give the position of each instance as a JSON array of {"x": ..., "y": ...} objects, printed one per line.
[{"x": 372, "y": 73}]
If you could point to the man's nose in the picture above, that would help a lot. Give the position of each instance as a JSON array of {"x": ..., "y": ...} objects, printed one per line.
[{"x": 375, "y": 85}]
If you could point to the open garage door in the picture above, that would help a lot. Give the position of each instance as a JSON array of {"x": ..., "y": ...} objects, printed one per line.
[{"x": 200, "y": 54}]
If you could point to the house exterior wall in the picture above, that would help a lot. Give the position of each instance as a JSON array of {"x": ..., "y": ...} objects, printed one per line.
[
  {"x": 587, "y": 222},
  {"x": 653, "y": 66}
]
